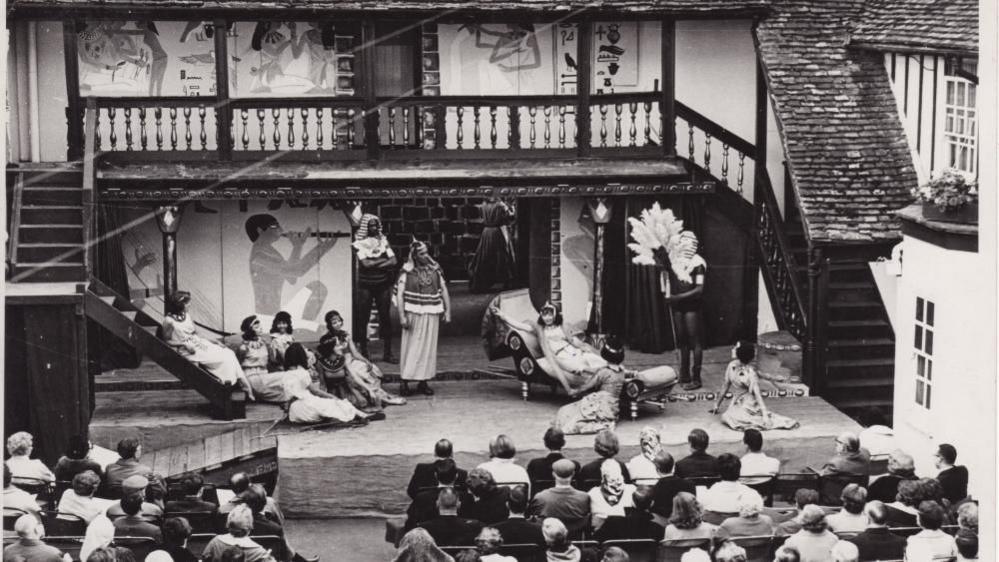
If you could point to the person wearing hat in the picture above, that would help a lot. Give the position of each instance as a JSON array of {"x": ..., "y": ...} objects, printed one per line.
[
  {"x": 601, "y": 395},
  {"x": 423, "y": 300},
  {"x": 376, "y": 265},
  {"x": 136, "y": 485},
  {"x": 29, "y": 545}
]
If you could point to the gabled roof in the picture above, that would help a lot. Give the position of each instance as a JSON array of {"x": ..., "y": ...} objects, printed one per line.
[
  {"x": 847, "y": 154},
  {"x": 931, "y": 26}
]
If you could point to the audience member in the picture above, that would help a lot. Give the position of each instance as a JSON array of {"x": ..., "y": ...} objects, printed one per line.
[
  {"x": 876, "y": 542},
  {"x": 876, "y": 437},
  {"x": 256, "y": 499},
  {"x": 563, "y": 501},
  {"x": 751, "y": 521},
  {"x": 517, "y": 529},
  {"x": 967, "y": 532},
  {"x": 448, "y": 529},
  {"x": 668, "y": 486},
  {"x": 156, "y": 491},
  {"x": 424, "y": 475},
  {"x": 695, "y": 555},
  {"x": 850, "y": 458},
  {"x": 239, "y": 524},
  {"x": 418, "y": 546},
  {"x": 850, "y": 519},
  {"x": 607, "y": 446},
  {"x": 756, "y": 466},
  {"x": 16, "y": 498},
  {"x": 239, "y": 483},
  {"x": 726, "y": 496},
  {"x": 814, "y": 541},
  {"x": 424, "y": 505},
  {"x": 80, "y": 501},
  {"x": 900, "y": 467},
  {"x": 103, "y": 554},
  {"x": 127, "y": 466},
  {"x": 487, "y": 544},
  {"x": 685, "y": 522},
  {"x": 728, "y": 551},
  {"x": 615, "y": 554},
  {"x": 787, "y": 554},
  {"x": 637, "y": 523},
  {"x": 123, "y": 554},
  {"x": 136, "y": 485},
  {"x": 132, "y": 524},
  {"x": 99, "y": 535},
  {"x": 612, "y": 496},
  {"x": 29, "y": 546},
  {"x": 845, "y": 551},
  {"x": 954, "y": 479},
  {"x": 698, "y": 462},
  {"x": 192, "y": 484},
  {"x": 76, "y": 460},
  {"x": 159, "y": 556},
  {"x": 23, "y": 468},
  {"x": 489, "y": 505},
  {"x": 541, "y": 467},
  {"x": 905, "y": 510},
  {"x": 802, "y": 497},
  {"x": 176, "y": 532},
  {"x": 501, "y": 462},
  {"x": 642, "y": 466},
  {"x": 930, "y": 543},
  {"x": 558, "y": 546}
]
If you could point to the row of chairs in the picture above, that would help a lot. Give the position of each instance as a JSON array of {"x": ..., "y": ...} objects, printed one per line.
[
  {"x": 67, "y": 524},
  {"x": 142, "y": 546}
]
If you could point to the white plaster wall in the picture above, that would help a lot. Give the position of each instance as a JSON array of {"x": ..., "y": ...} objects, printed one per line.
[
  {"x": 577, "y": 241},
  {"x": 962, "y": 410},
  {"x": 52, "y": 91}
]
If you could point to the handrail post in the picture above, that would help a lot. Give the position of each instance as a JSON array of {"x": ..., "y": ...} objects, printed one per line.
[
  {"x": 667, "y": 105},
  {"x": 812, "y": 367},
  {"x": 584, "y": 74},
  {"x": 88, "y": 200},
  {"x": 74, "y": 110},
  {"x": 223, "y": 110},
  {"x": 761, "y": 118}
]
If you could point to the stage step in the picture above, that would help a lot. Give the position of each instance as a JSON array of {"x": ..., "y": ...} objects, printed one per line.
[
  {"x": 842, "y": 329},
  {"x": 49, "y": 272},
  {"x": 855, "y": 310}
]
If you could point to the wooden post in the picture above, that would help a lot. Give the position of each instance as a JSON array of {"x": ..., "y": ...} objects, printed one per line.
[
  {"x": 223, "y": 111},
  {"x": 761, "y": 118},
  {"x": 168, "y": 221},
  {"x": 366, "y": 59},
  {"x": 811, "y": 373},
  {"x": 584, "y": 75},
  {"x": 667, "y": 104},
  {"x": 74, "y": 108}
]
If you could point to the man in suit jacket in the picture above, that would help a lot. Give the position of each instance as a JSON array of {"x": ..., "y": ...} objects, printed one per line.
[
  {"x": 424, "y": 505},
  {"x": 132, "y": 524},
  {"x": 192, "y": 485},
  {"x": 953, "y": 479},
  {"x": 668, "y": 486},
  {"x": 424, "y": 476},
  {"x": 563, "y": 502},
  {"x": 637, "y": 523},
  {"x": 877, "y": 542},
  {"x": 850, "y": 459},
  {"x": 127, "y": 466},
  {"x": 448, "y": 529},
  {"x": 541, "y": 467},
  {"x": 516, "y": 529},
  {"x": 698, "y": 462},
  {"x": 490, "y": 500}
]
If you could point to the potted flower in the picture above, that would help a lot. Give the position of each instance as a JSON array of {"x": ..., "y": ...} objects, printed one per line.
[{"x": 949, "y": 197}]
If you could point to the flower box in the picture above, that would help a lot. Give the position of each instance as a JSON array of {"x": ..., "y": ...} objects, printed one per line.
[{"x": 966, "y": 214}]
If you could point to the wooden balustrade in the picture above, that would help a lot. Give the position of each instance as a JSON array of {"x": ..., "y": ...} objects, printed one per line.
[
  {"x": 144, "y": 126},
  {"x": 780, "y": 270}
]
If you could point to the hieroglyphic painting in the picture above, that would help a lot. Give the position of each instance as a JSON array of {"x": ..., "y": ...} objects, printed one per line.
[
  {"x": 615, "y": 55},
  {"x": 287, "y": 58}
]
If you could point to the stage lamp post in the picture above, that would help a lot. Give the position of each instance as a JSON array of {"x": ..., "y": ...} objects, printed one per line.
[
  {"x": 168, "y": 221},
  {"x": 601, "y": 210}
]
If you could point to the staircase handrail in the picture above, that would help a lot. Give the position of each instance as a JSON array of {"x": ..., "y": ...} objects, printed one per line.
[
  {"x": 15, "y": 222},
  {"x": 89, "y": 171},
  {"x": 705, "y": 124}
]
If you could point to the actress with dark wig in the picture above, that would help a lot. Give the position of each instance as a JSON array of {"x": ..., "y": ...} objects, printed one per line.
[
  {"x": 364, "y": 378},
  {"x": 601, "y": 394},
  {"x": 282, "y": 335}
]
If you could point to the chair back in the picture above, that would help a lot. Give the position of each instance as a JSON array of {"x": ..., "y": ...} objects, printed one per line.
[
  {"x": 273, "y": 543},
  {"x": 140, "y": 546},
  {"x": 831, "y": 486},
  {"x": 455, "y": 550},
  {"x": 510, "y": 485},
  {"x": 764, "y": 485},
  {"x": 58, "y": 488},
  {"x": 639, "y": 550},
  {"x": 524, "y": 552},
  {"x": 587, "y": 484},
  {"x": 758, "y": 548},
  {"x": 63, "y": 524},
  {"x": 69, "y": 545},
  {"x": 197, "y": 542},
  {"x": 10, "y": 516},
  {"x": 200, "y": 521},
  {"x": 716, "y": 517},
  {"x": 672, "y": 551}
]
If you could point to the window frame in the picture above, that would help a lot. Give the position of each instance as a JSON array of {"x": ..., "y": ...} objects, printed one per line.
[{"x": 924, "y": 340}]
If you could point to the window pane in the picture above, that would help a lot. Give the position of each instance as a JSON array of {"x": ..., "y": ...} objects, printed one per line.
[
  {"x": 963, "y": 163},
  {"x": 919, "y": 392},
  {"x": 921, "y": 366},
  {"x": 929, "y": 391},
  {"x": 971, "y": 96},
  {"x": 949, "y": 126},
  {"x": 960, "y": 95},
  {"x": 950, "y": 93},
  {"x": 929, "y": 342},
  {"x": 929, "y": 369},
  {"x": 918, "y": 343},
  {"x": 929, "y": 313},
  {"x": 953, "y": 155},
  {"x": 920, "y": 303}
]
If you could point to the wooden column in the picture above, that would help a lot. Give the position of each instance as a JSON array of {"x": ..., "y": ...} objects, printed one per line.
[
  {"x": 223, "y": 111},
  {"x": 667, "y": 104},
  {"x": 168, "y": 221},
  {"x": 74, "y": 108},
  {"x": 365, "y": 57},
  {"x": 761, "y": 118},
  {"x": 584, "y": 75}
]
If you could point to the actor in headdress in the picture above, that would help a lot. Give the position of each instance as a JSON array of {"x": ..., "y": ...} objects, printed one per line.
[
  {"x": 683, "y": 285},
  {"x": 422, "y": 299},
  {"x": 375, "y": 273}
]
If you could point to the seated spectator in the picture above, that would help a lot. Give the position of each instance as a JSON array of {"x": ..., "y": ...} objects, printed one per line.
[
  {"x": 192, "y": 485},
  {"x": 876, "y": 542},
  {"x": 29, "y": 546},
  {"x": 954, "y": 479},
  {"x": 728, "y": 551},
  {"x": 850, "y": 458},
  {"x": 136, "y": 485},
  {"x": 696, "y": 555},
  {"x": 424, "y": 505},
  {"x": 563, "y": 501},
  {"x": 726, "y": 496},
  {"x": 418, "y": 546},
  {"x": 156, "y": 491},
  {"x": 756, "y": 466},
  {"x": 642, "y": 466},
  {"x": 607, "y": 446},
  {"x": 685, "y": 521},
  {"x": 448, "y": 529},
  {"x": 76, "y": 460},
  {"x": 239, "y": 524},
  {"x": 900, "y": 467},
  {"x": 176, "y": 532},
  {"x": 501, "y": 462},
  {"x": 127, "y": 466},
  {"x": 424, "y": 475},
  {"x": 751, "y": 521},
  {"x": 132, "y": 524},
  {"x": 967, "y": 532},
  {"x": 876, "y": 437},
  {"x": 814, "y": 542},
  {"x": 239, "y": 483},
  {"x": 850, "y": 519},
  {"x": 23, "y": 468},
  {"x": 612, "y": 496},
  {"x": 161, "y": 556},
  {"x": 80, "y": 501},
  {"x": 637, "y": 523},
  {"x": 845, "y": 551},
  {"x": 255, "y": 498},
  {"x": 930, "y": 543},
  {"x": 99, "y": 535},
  {"x": 787, "y": 554},
  {"x": 802, "y": 497},
  {"x": 668, "y": 486},
  {"x": 489, "y": 500},
  {"x": 488, "y": 543},
  {"x": 698, "y": 462},
  {"x": 16, "y": 498},
  {"x": 904, "y": 511},
  {"x": 615, "y": 554},
  {"x": 541, "y": 467},
  {"x": 516, "y": 529},
  {"x": 558, "y": 547}
]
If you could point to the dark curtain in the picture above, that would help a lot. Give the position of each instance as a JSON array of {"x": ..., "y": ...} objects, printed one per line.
[
  {"x": 540, "y": 250},
  {"x": 106, "y": 350}
]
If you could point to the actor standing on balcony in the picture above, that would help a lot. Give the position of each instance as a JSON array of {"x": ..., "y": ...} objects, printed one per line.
[
  {"x": 422, "y": 299},
  {"x": 376, "y": 264}
]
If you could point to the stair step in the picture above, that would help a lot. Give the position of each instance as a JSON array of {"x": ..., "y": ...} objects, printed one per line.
[
  {"x": 45, "y": 264},
  {"x": 851, "y": 285},
  {"x": 52, "y": 196},
  {"x": 871, "y": 342},
  {"x": 870, "y": 362},
  {"x": 856, "y": 323},
  {"x": 51, "y": 234},
  {"x": 860, "y": 309},
  {"x": 52, "y": 215},
  {"x": 859, "y": 403},
  {"x": 45, "y": 253},
  {"x": 35, "y": 273},
  {"x": 855, "y": 304},
  {"x": 865, "y": 382},
  {"x": 861, "y": 328}
]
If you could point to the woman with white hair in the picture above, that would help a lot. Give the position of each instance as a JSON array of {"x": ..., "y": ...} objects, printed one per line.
[
  {"x": 21, "y": 466},
  {"x": 612, "y": 496},
  {"x": 728, "y": 551},
  {"x": 239, "y": 523},
  {"x": 751, "y": 521},
  {"x": 814, "y": 542}
]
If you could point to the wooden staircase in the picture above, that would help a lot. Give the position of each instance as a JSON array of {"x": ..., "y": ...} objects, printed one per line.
[{"x": 123, "y": 319}]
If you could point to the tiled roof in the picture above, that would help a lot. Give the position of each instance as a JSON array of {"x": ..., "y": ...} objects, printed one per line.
[
  {"x": 918, "y": 25},
  {"x": 846, "y": 151}
]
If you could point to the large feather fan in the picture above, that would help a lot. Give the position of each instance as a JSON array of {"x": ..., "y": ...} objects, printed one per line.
[{"x": 658, "y": 228}]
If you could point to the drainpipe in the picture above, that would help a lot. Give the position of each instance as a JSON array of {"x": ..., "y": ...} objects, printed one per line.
[{"x": 33, "y": 126}]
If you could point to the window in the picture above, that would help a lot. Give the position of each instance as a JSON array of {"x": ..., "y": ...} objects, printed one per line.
[
  {"x": 960, "y": 125},
  {"x": 923, "y": 344}
]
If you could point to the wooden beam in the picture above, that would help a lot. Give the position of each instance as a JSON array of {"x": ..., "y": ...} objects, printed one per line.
[
  {"x": 667, "y": 105},
  {"x": 365, "y": 56},
  {"x": 223, "y": 111},
  {"x": 74, "y": 107},
  {"x": 584, "y": 75},
  {"x": 762, "y": 102}
]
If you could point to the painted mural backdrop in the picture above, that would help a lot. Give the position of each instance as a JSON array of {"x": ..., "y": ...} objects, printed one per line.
[
  {"x": 256, "y": 258},
  {"x": 146, "y": 58}
]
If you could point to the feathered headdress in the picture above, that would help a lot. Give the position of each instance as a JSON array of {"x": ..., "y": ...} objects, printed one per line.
[
  {"x": 368, "y": 246},
  {"x": 659, "y": 228}
]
